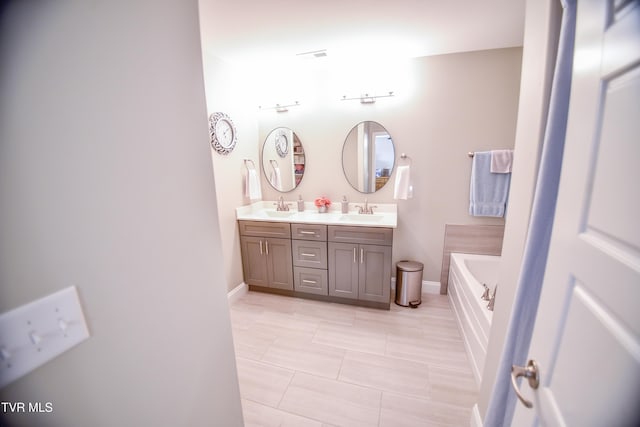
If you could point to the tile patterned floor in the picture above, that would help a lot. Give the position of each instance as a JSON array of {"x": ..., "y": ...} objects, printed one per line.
[{"x": 309, "y": 363}]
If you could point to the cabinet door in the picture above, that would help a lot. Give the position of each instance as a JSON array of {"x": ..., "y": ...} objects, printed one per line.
[
  {"x": 343, "y": 270},
  {"x": 374, "y": 283},
  {"x": 254, "y": 261},
  {"x": 279, "y": 264}
]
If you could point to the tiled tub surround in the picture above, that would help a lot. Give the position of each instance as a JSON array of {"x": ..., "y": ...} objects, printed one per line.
[
  {"x": 310, "y": 363},
  {"x": 469, "y": 239},
  {"x": 467, "y": 274}
]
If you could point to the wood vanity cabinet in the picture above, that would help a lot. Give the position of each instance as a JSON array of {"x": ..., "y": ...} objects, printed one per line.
[
  {"x": 266, "y": 254},
  {"x": 360, "y": 263},
  {"x": 329, "y": 262}
]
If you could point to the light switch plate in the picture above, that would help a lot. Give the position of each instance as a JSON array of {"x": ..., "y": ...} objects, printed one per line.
[{"x": 37, "y": 332}]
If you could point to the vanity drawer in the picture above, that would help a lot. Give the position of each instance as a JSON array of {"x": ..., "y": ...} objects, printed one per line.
[
  {"x": 310, "y": 281},
  {"x": 309, "y": 254},
  {"x": 309, "y": 232},
  {"x": 265, "y": 229},
  {"x": 365, "y": 235}
]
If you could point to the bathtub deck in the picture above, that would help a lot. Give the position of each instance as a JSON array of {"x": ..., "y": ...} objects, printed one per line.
[{"x": 473, "y": 318}]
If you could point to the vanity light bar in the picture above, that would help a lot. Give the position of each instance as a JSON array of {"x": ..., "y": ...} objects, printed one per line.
[
  {"x": 313, "y": 54},
  {"x": 366, "y": 98},
  {"x": 280, "y": 108}
]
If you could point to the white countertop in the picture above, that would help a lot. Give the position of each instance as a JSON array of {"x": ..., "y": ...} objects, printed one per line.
[{"x": 385, "y": 214}]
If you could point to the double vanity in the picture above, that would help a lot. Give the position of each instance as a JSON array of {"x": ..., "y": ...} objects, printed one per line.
[{"x": 327, "y": 256}]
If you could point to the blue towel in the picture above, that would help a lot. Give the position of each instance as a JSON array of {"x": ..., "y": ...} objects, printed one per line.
[{"x": 488, "y": 191}]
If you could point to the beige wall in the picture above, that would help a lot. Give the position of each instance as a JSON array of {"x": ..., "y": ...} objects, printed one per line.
[
  {"x": 457, "y": 103},
  {"x": 106, "y": 184}
]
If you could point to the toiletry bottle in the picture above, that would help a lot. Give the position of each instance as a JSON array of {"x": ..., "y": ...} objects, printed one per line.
[
  {"x": 345, "y": 205},
  {"x": 300, "y": 204}
]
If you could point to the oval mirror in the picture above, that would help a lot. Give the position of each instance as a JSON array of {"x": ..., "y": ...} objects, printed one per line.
[
  {"x": 368, "y": 157},
  {"x": 283, "y": 160}
]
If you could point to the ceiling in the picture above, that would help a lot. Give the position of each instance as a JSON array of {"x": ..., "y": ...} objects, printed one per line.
[{"x": 255, "y": 30}]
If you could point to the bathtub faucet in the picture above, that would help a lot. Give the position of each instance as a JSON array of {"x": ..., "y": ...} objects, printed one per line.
[
  {"x": 492, "y": 301},
  {"x": 486, "y": 294}
]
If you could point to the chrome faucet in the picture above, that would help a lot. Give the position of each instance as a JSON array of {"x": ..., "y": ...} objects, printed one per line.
[
  {"x": 281, "y": 205},
  {"x": 366, "y": 209},
  {"x": 492, "y": 301}
]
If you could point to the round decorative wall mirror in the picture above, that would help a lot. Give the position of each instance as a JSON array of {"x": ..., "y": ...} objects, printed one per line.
[
  {"x": 283, "y": 159},
  {"x": 368, "y": 157}
]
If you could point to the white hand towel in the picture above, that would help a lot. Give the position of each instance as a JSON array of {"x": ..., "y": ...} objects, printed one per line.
[
  {"x": 501, "y": 161},
  {"x": 275, "y": 179},
  {"x": 403, "y": 189},
  {"x": 252, "y": 187}
]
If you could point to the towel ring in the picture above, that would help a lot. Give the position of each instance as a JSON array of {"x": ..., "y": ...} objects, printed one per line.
[
  {"x": 406, "y": 158},
  {"x": 249, "y": 161},
  {"x": 274, "y": 164}
]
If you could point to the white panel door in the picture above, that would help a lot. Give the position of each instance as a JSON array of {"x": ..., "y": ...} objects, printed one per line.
[{"x": 586, "y": 339}]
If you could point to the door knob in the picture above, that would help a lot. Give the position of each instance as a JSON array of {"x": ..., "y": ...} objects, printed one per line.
[{"x": 530, "y": 372}]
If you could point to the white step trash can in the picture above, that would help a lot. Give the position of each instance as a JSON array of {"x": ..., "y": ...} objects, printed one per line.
[{"x": 409, "y": 283}]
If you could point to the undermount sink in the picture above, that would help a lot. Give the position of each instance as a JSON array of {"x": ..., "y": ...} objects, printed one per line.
[
  {"x": 362, "y": 217},
  {"x": 279, "y": 214}
]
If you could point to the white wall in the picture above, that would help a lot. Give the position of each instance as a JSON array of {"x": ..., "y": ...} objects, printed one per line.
[
  {"x": 541, "y": 32},
  {"x": 106, "y": 184},
  {"x": 445, "y": 106},
  {"x": 229, "y": 91}
]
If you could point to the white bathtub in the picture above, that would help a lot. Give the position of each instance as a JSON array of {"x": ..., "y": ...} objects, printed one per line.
[{"x": 467, "y": 273}]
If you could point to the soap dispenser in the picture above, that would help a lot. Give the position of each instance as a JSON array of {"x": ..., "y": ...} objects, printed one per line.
[
  {"x": 300, "y": 204},
  {"x": 345, "y": 205}
]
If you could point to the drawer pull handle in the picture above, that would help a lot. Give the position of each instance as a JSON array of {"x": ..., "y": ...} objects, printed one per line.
[
  {"x": 311, "y": 255},
  {"x": 307, "y": 232},
  {"x": 309, "y": 281},
  {"x": 361, "y": 255},
  {"x": 261, "y": 251},
  {"x": 266, "y": 246},
  {"x": 354, "y": 255}
]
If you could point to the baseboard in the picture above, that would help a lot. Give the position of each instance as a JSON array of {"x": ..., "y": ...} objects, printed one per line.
[
  {"x": 236, "y": 293},
  {"x": 428, "y": 287},
  {"x": 475, "y": 420}
]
